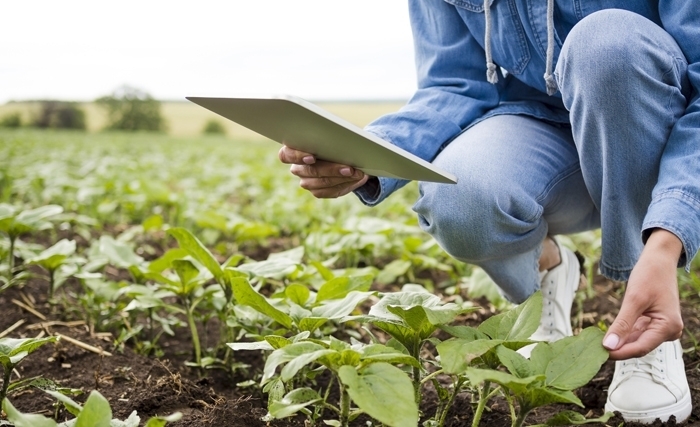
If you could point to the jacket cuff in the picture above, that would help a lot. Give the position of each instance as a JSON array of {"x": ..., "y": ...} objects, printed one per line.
[{"x": 679, "y": 213}]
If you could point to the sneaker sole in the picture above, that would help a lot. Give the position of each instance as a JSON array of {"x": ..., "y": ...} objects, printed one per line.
[{"x": 681, "y": 410}]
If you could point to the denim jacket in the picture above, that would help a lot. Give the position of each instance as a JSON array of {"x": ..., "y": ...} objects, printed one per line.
[{"x": 453, "y": 92}]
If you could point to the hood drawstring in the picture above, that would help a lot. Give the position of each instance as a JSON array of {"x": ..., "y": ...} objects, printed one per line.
[
  {"x": 548, "y": 77},
  {"x": 492, "y": 75}
]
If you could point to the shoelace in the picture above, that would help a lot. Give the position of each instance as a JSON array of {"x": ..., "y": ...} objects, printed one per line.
[{"x": 651, "y": 364}]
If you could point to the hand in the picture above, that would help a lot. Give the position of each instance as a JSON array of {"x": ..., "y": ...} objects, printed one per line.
[
  {"x": 650, "y": 312},
  {"x": 323, "y": 179}
]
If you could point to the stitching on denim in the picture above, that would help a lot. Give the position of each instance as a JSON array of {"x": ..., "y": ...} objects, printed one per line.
[
  {"x": 477, "y": 7},
  {"x": 517, "y": 23},
  {"x": 570, "y": 171},
  {"x": 679, "y": 195},
  {"x": 524, "y": 54}
]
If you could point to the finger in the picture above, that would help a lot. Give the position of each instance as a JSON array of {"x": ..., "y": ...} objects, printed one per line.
[
  {"x": 643, "y": 345},
  {"x": 622, "y": 326},
  {"x": 326, "y": 182},
  {"x": 291, "y": 156},
  {"x": 326, "y": 169},
  {"x": 338, "y": 190}
]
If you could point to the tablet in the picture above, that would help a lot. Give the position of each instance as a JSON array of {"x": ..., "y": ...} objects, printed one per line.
[{"x": 304, "y": 126}]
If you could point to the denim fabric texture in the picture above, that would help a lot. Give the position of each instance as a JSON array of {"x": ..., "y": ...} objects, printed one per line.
[{"x": 617, "y": 147}]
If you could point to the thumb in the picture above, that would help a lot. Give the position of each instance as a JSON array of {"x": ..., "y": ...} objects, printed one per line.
[{"x": 621, "y": 328}]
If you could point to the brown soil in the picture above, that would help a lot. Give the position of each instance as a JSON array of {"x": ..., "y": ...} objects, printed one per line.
[{"x": 160, "y": 386}]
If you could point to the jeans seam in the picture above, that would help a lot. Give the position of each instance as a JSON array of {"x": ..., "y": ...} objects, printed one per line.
[{"x": 571, "y": 170}]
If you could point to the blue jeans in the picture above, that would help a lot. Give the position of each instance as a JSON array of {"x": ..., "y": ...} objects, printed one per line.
[{"x": 624, "y": 81}]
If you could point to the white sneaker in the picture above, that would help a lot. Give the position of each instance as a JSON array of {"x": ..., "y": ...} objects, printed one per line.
[
  {"x": 651, "y": 387},
  {"x": 558, "y": 287}
]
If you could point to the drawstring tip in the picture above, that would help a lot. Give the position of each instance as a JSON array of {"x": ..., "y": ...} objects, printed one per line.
[
  {"x": 551, "y": 84},
  {"x": 491, "y": 74}
]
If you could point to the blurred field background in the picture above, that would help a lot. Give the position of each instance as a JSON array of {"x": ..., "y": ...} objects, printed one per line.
[{"x": 184, "y": 118}]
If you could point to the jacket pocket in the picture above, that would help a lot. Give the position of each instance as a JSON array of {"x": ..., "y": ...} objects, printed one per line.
[{"x": 508, "y": 40}]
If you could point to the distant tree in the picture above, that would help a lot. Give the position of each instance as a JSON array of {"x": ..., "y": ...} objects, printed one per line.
[
  {"x": 132, "y": 109},
  {"x": 59, "y": 115},
  {"x": 12, "y": 120},
  {"x": 214, "y": 127}
]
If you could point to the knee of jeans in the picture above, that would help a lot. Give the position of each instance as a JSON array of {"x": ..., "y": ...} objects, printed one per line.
[
  {"x": 602, "y": 47},
  {"x": 474, "y": 225}
]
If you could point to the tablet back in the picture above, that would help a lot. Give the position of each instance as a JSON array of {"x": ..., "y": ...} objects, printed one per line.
[{"x": 304, "y": 126}]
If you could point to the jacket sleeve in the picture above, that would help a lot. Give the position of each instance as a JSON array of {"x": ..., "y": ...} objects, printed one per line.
[
  {"x": 677, "y": 193},
  {"x": 452, "y": 90}
]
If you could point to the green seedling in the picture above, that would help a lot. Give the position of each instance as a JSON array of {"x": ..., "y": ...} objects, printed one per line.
[
  {"x": 96, "y": 412},
  {"x": 188, "y": 286},
  {"x": 366, "y": 375},
  {"x": 150, "y": 300},
  {"x": 297, "y": 309},
  {"x": 12, "y": 352},
  {"x": 477, "y": 347},
  {"x": 55, "y": 260},
  {"x": 550, "y": 375},
  {"x": 411, "y": 317},
  {"x": 14, "y": 224}
]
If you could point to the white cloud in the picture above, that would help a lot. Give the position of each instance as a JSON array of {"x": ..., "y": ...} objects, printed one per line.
[{"x": 317, "y": 49}]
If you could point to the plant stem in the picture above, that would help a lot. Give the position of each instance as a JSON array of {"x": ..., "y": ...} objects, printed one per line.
[
  {"x": 483, "y": 397},
  {"x": 11, "y": 258},
  {"x": 51, "y": 284},
  {"x": 344, "y": 406},
  {"x": 431, "y": 376},
  {"x": 450, "y": 402},
  {"x": 7, "y": 373},
  {"x": 521, "y": 417},
  {"x": 195, "y": 336}
]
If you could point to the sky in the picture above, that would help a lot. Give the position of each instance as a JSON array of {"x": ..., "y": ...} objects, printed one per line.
[{"x": 314, "y": 49}]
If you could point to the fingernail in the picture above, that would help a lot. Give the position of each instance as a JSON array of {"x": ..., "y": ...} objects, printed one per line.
[
  {"x": 309, "y": 160},
  {"x": 346, "y": 172},
  {"x": 611, "y": 341}
]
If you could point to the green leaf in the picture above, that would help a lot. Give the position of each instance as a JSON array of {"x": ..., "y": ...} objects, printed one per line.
[
  {"x": 515, "y": 362},
  {"x": 298, "y": 293},
  {"x": 294, "y": 401},
  {"x": 286, "y": 354},
  {"x": 246, "y": 295},
  {"x": 540, "y": 396},
  {"x": 517, "y": 324},
  {"x": 161, "y": 421},
  {"x": 53, "y": 257},
  {"x": 13, "y": 350},
  {"x": 340, "y": 287},
  {"x": 519, "y": 386},
  {"x": 71, "y": 406},
  {"x": 381, "y": 353},
  {"x": 25, "y": 420},
  {"x": 118, "y": 253},
  {"x": 311, "y": 323},
  {"x": 567, "y": 418},
  {"x": 96, "y": 412},
  {"x": 392, "y": 271},
  {"x": 336, "y": 309},
  {"x": 456, "y": 354},
  {"x": 197, "y": 250},
  {"x": 576, "y": 360},
  {"x": 294, "y": 365},
  {"x": 383, "y": 391},
  {"x": 258, "y": 345},
  {"x": 186, "y": 271},
  {"x": 464, "y": 332},
  {"x": 165, "y": 261}
]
